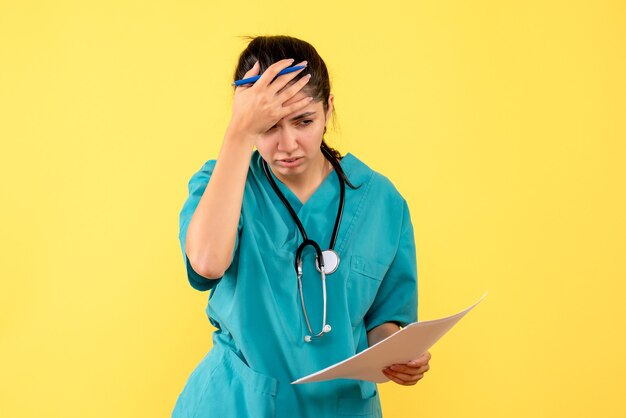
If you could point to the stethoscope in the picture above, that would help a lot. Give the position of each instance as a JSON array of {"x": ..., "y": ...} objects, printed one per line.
[{"x": 326, "y": 261}]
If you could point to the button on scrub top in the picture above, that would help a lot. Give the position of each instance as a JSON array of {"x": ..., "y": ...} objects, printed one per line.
[{"x": 258, "y": 345}]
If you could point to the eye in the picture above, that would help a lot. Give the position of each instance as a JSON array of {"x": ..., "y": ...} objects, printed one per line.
[{"x": 306, "y": 122}]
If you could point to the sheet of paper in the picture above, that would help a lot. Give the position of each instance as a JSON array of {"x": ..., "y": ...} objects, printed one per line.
[{"x": 405, "y": 345}]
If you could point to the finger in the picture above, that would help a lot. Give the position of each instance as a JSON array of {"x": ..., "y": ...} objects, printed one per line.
[
  {"x": 254, "y": 70},
  {"x": 271, "y": 72},
  {"x": 421, "y": 360},
  {"x": 407, "y": 377},
  {"x": 294, "y": 107},
  {"x": 425, "y": 357},
  {"x": 392, "y": 377},
  {"x": 404, "y": 368},
  {"x": 423, "y": 369},
  {"x": 396, "y": 379},
  {"x": 290, "y": 91},
  {"x": 281, "y": 81}
]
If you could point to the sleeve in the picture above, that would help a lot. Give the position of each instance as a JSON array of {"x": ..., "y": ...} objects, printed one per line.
[
  {"x": 197, "y": 185},
  {"x": 396, "y": 300}
]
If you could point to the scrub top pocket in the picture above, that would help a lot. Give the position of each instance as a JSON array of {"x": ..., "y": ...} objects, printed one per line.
[
  {"x": 358, "y": 407},
  {"x": 187, "y": 403},
  {"x": 223, "y": 385},
  {"x": 237, "y": 390},
  {"x": 363, "y": 282}
]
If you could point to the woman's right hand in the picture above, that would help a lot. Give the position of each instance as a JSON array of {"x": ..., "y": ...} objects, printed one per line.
[{"x": 259, "y": 106}]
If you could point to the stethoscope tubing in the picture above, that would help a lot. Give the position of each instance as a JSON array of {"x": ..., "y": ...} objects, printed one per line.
[
  {"x": 342, "y": 195},
  {"x": 292, "y": 212},
  {"x": 318, "y": 251},
  {"x": 306, "y": 241}
]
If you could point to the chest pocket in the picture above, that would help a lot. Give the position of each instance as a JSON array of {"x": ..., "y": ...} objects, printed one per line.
[{"x": 365, "y": 278}]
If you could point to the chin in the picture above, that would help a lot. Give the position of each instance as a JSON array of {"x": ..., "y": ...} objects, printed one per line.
[{"x": 290, "y": 171}]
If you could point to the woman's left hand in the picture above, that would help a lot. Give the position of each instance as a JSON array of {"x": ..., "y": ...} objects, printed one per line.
[{"x": 409, "y": 373}]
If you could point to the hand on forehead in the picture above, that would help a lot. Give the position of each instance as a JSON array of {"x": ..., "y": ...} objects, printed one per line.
[{"x": 299, "y": 96}]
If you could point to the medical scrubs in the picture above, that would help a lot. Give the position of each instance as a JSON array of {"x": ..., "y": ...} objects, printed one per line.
[{"x": 258, "y": 345}]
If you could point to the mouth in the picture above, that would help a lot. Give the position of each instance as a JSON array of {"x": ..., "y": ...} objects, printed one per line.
[{"x": 290, "y": 160}]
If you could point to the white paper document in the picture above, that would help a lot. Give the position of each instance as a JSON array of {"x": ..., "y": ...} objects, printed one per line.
[{"x": 405, "y": 345}]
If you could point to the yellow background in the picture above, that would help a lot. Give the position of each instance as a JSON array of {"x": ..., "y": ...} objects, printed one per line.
[{"x": 502, "y": 123}]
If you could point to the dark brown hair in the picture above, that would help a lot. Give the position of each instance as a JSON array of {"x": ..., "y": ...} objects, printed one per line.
[{"x": 269, "y": 49}]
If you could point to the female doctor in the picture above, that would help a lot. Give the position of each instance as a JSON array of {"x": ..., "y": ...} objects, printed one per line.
[{"x": 253, "y": 230}]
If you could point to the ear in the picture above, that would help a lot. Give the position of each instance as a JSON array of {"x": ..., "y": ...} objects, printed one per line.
[{"x": 329, "y": 111}]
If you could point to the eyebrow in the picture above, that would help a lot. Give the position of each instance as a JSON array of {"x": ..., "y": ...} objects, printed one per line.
[{"x": 304, "y": 115}]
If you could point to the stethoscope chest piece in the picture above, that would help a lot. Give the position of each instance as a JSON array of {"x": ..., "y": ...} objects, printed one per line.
[{"x": 331, "y": 261}]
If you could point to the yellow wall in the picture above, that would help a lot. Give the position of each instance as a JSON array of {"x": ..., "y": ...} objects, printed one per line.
[{"x": 502, "y": 123}]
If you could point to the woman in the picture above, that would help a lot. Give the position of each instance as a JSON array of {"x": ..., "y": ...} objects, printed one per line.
[{"x": 239, "y": 235}]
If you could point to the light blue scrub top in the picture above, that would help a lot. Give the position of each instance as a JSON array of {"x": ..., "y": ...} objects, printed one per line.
[{"x": 258, "y": 346}]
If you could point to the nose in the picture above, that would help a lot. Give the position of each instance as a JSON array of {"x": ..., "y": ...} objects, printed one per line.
[{"x": 287, "y": 141}]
